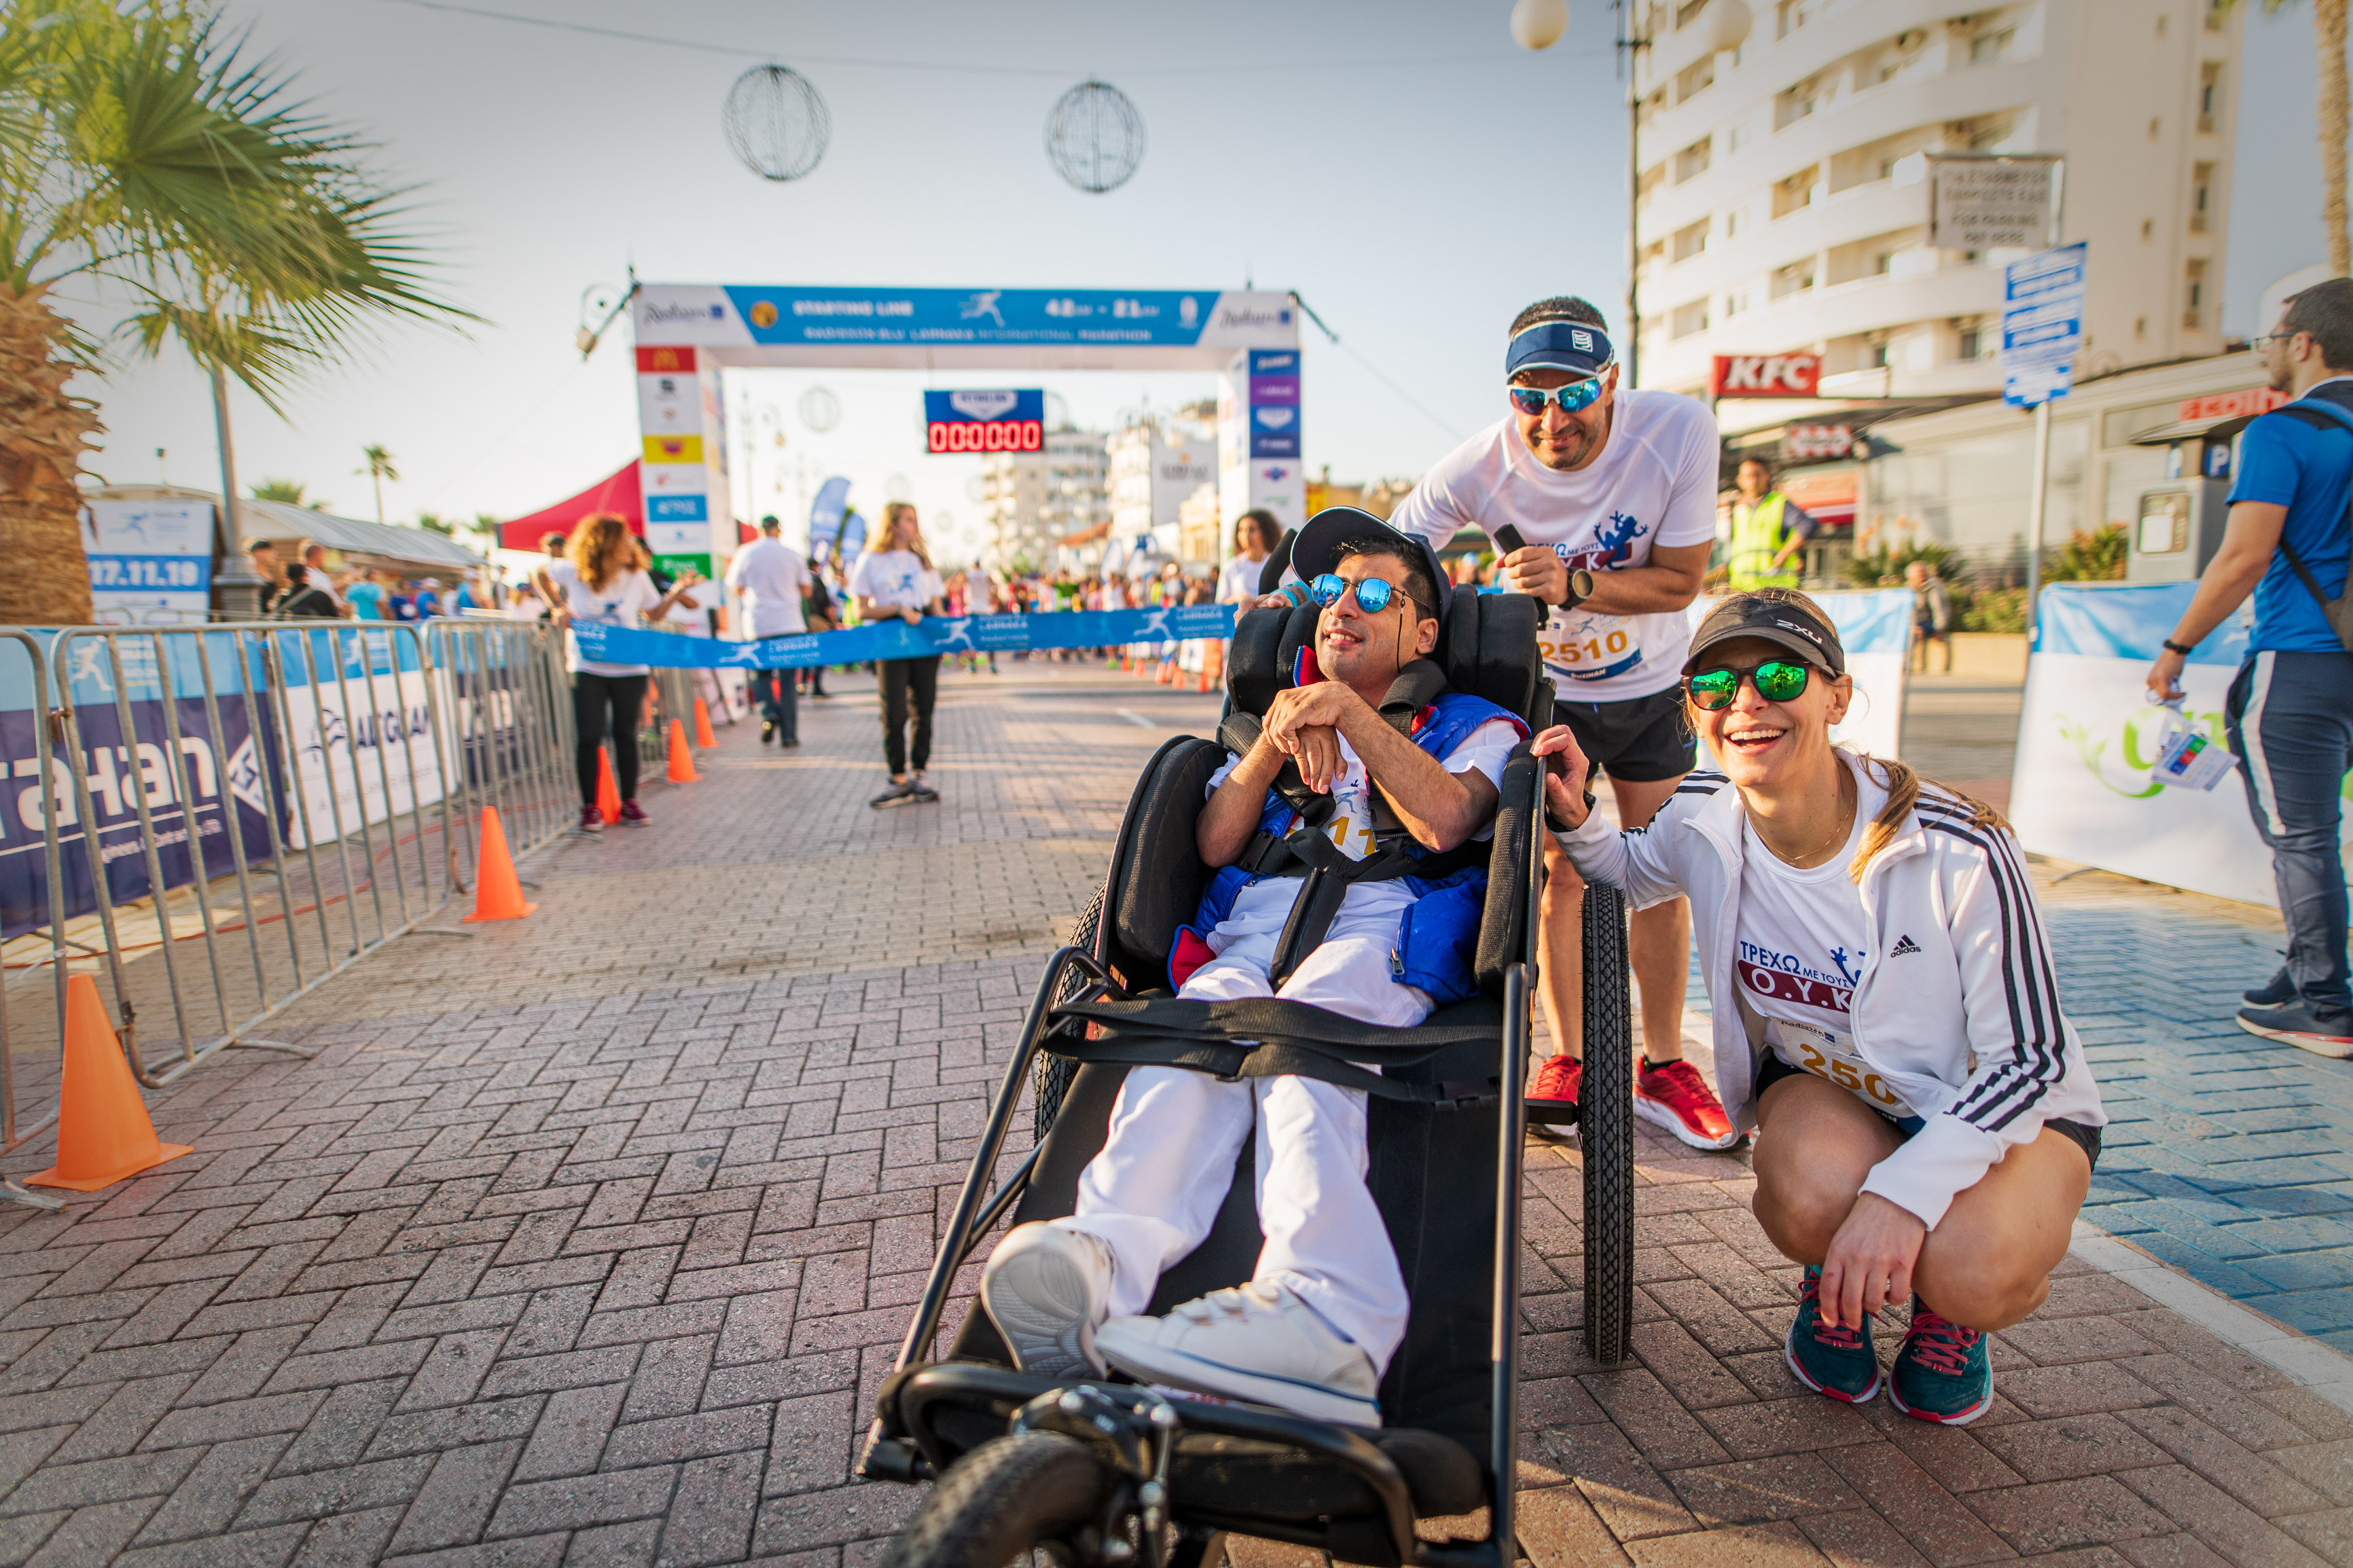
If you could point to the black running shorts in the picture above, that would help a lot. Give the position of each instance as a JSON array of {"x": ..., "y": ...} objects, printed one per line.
[
  {"x": 1771, "y": 1069},
  {"x": 1642, "y": 739}
]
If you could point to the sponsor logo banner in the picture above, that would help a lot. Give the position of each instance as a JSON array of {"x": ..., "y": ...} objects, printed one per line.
[
  {"x": 897, "y": 639},
  {"x": 755, "y": 314},
  {"x": 674, "y": 449},
  {"x": 678, "y": 508}
]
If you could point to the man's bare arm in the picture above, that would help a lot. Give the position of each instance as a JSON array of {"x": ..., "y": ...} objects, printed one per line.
[
  {"x": 1441, "y": 809},
  {"x": 1231, "y": 817}
]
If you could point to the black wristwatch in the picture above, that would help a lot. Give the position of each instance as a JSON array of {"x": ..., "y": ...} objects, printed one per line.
[
  {"x": 1558, "y": 826},
  {"x": 2182, "y": 649}
]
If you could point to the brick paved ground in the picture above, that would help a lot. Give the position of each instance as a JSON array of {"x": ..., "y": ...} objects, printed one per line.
[{"x": 587, "y": 1241}]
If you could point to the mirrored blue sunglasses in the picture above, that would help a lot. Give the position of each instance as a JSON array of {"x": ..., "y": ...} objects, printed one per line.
[
  {"x": 1373, "y": 595},
  {"x": 1576, "y": 396}
]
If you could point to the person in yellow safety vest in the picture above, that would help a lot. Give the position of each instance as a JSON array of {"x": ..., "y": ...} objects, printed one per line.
[{"x": 1767, "y": 530}]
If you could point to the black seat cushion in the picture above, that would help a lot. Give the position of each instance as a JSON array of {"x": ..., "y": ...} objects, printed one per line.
[
  {"x": 1159, "y": 876},
  {"x": 1433, "y": 1176}
]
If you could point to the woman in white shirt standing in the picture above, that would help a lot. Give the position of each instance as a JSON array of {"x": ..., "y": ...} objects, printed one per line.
[
  {"x": 894, "y": 577},
  {"x": 1256, "y": 533},
  {"x": 598, "y": 581},
  {"x": 1884, "y": 1006}
]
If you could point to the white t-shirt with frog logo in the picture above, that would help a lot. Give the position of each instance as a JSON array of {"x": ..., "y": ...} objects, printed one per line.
[
  {"x": 1654, "y": 484},
  {"x": 1798, "y": 953},
  {"x": 1360, "y": 821}
]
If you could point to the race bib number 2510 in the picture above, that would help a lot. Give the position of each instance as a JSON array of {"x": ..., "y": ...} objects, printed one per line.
[{"x": 1587, "y": 647}]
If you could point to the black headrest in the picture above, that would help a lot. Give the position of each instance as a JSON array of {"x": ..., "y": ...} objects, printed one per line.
[{"x": 1487, "y": 649}]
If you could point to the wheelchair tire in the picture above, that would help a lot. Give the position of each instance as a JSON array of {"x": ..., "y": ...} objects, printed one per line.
[
  {"x": 1605, "y": 1128},
  {"x": 1054, "y": 1073},
  {"x": 1007, "y": 1498}
]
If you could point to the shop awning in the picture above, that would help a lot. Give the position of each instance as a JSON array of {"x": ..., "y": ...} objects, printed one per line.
[
  {"x": 383, "y": 541},
  {"x": 1094, "y": 535},
  {"x": 616, "y": 492}
]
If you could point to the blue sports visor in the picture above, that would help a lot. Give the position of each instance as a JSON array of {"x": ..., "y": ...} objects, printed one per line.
[{"x": 1571, "y": 346}]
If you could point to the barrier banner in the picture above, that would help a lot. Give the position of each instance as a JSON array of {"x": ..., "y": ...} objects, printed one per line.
[
  {"x": 2085, "y": 787},
  {"x": 897, "y": 639},
  {"x": 1875, "y": 627},
  {"x": 222, "y": 775},
  {"x": 357, "y": 722}
]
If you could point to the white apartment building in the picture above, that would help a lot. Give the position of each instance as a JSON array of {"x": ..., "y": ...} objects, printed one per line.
[
  {"x": 1033, "y": 501},
  {"x": 1779, "y": 215},
  {"x": 1156, "y": 465}
]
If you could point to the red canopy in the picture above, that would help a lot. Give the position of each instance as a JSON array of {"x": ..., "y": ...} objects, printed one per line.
[{"x": 617, "y": 493}]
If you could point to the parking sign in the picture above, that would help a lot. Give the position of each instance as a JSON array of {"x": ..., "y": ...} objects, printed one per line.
[{"x": 2042, "y": 324}]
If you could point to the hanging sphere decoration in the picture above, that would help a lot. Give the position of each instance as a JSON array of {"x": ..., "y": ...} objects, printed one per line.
[
  {"x": 819, "y": 409},
  {"x": 776, "y": 123},
  {"x": 1094, "y": 137}
]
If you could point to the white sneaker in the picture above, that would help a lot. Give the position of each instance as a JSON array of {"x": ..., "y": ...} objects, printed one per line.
[
  {"x": 1045, "y": 1289},
  {"x": 1258, "y": 1342}
]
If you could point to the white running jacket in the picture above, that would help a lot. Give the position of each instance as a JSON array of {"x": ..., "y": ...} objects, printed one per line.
[{"x": 1958, "y": 1006}]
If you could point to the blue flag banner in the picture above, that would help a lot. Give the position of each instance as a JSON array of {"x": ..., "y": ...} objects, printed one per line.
[
  {"x": 2128, "y": 622},
  {"x": 897, "y": 639}
]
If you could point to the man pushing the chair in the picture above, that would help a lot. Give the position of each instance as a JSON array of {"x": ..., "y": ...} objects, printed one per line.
[{"x": 1405, "y": 802}]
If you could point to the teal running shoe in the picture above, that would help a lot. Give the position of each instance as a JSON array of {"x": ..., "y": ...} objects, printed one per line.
[
  {"x": 1827, "y": 1358},
  {"x": 1943, "y": 1373}
]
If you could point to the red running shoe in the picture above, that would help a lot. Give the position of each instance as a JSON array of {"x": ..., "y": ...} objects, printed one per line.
[
  {"x": 1557, "y": 1078},
  {"x": 1673, "y": 1096},
  {"x": 633, "y": 816}
]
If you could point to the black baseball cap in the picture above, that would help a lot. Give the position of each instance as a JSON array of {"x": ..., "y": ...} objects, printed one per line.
[
  {"x": 1317, "y": 548},
  {"x": 1781, "y": 621}
]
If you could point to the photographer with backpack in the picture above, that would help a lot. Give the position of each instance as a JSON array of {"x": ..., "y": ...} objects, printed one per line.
[{"x": 2290, "y": 712}]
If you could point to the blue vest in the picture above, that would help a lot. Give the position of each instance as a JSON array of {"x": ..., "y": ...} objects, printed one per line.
[{"x": 1437, "y": 942}]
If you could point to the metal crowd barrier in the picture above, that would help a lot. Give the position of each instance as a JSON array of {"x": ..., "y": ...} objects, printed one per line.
[{"x": 212, "y": 821}]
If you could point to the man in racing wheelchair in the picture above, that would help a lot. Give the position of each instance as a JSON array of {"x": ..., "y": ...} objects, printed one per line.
[{"x": 1394, "y": 808}]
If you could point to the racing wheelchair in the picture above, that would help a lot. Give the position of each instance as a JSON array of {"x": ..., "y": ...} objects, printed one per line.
[{"x": 1111, "y": 1473}]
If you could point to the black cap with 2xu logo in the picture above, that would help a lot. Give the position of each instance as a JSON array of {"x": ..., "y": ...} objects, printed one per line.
[{"x": 1791, "y": 626}]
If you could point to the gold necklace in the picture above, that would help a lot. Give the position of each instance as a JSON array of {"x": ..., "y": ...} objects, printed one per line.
[{"x": 1843, "y": 826}]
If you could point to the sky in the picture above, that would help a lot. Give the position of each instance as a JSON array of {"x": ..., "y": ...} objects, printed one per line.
[{"x": 1406, "y": 168}]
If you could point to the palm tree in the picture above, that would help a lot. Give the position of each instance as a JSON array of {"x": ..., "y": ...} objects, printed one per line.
[
  {"x": 141, "y": 157},
  {"x": 293, "y": 492},
  {"x": 379, "y": 468},
  {"x": 2328, "y": 36}
]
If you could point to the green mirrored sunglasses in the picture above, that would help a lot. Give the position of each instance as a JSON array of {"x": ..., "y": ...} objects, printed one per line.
[{"x": 1777, "y": 681}]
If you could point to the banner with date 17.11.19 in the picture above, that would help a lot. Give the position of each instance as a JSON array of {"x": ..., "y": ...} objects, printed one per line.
[
  {"x": 213, "y": 788},
  {"x": 897, "y": 639}
]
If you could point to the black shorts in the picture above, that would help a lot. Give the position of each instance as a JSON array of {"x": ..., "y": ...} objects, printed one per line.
[
  {"x": 1771, "y": 1069},
  {"x": 1642, "y": 739}
]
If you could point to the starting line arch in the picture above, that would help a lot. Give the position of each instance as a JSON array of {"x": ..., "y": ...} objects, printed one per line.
[{"x": 689, "y": 334}]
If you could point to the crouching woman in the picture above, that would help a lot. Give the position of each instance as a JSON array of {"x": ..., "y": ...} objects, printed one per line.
[{"x": 1886, "y": 1015}]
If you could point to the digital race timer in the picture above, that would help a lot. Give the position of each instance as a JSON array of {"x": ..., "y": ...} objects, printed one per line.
[{"x": 985, "y": 421}]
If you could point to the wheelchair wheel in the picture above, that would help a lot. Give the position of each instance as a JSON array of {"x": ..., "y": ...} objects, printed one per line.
[
  {"x": 1605, "y": 1128},
  {"x": 1054, "y": 1073},
  {"x": 1024, "y": 1498}
]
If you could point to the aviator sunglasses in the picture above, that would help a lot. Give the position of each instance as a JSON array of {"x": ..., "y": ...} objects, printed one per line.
[
  {"x": 1373, "y": 595},
  {"x": 1576, "y": 396},
  {"x": 1777, "y": 681}
]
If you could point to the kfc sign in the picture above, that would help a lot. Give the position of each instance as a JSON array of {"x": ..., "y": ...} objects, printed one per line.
[{"x": 1765, "y": 376}]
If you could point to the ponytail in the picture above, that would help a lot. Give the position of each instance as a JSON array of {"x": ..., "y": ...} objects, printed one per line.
[{"x": 1902, "y": 786}]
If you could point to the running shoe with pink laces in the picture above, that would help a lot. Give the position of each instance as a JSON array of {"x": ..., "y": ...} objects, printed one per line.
[
  {"x": 1673, "y": 1096},
  {"x": 1943, "y": 1373},
  {"x": 1828, "y": 1357}
]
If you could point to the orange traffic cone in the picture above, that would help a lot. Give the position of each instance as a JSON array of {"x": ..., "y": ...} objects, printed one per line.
[
  {"x": 703, "y": 736},
  {"x": 104, "y": 1131},
  {"x": 682, "y": 760},
  {"x": 608, "y": 792},
  {"x": 498, "y": 895}
]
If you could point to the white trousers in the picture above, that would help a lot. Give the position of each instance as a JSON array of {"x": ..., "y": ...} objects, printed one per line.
[{"x": 1154, "y": 1192}]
